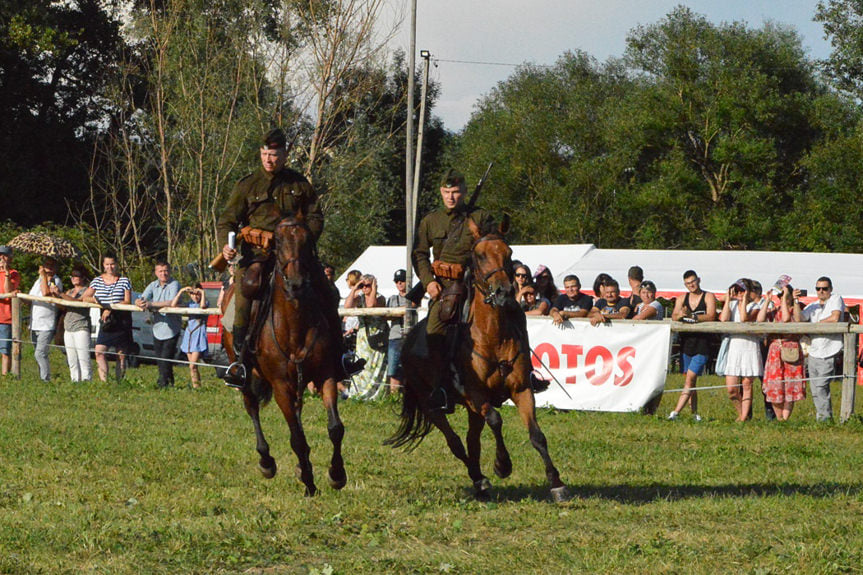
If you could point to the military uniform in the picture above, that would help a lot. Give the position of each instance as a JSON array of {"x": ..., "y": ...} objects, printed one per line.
[
  {"x": 445, "y": 234},
  {"x": 434, "y": 236},
  {"x": 261, "y": 200}
]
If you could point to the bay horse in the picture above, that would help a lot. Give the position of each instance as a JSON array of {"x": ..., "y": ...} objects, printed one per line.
[
  {"x": 293, "y": 347},
  {"x": 494, "y": 360}
]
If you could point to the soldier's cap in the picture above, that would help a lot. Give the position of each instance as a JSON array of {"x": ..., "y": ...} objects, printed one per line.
[
  {"x": 400, "y": 276},
  {"x": 452, "y": 178},
  {"x": 6, "y": 251},
  {"x": 275, "y": 139}
]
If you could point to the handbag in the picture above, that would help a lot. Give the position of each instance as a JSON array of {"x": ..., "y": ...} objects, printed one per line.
[
  {"x": 789, "y": 351},
  {"x": 111, "y": 323}
]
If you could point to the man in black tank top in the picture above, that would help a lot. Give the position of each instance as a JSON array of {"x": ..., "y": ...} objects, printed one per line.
[{"x": 694, "y": 306}]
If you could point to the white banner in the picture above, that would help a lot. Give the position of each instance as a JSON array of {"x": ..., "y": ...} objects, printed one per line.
[{"x": 610, "y": 367}]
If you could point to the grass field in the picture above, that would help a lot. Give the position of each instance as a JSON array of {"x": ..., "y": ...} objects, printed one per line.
[{"x": 122, "y": 478}]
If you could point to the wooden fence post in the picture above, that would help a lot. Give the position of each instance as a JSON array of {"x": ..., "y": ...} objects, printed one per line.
[
  {"x": 16, "y": 338},
  {"x": 849, "y": 371}
]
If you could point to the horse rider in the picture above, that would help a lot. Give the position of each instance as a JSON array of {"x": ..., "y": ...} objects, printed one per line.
[
  {"x": 256, "y": 205},
  {"x": 446, "y": 232}
]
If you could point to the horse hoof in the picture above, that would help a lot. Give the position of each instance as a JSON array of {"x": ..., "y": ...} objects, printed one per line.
[
  {"x": 483, "y": 489},
  {"x": 268, "y": 469},
  {"x": 503, "y": 469},
  {"x": 337, "y": 480},
  {"x": 559, "y": 494},
  {"x": 311, "y": 490}
]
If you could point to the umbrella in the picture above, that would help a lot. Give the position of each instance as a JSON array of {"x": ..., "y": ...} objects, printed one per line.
[{"x": 44, "y": 244}]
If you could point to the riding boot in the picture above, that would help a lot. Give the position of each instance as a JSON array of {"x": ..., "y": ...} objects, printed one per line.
[
  {"x": 439, "y": 399},
  {"x": 350, "y": 363},
  {"x": 236, "y": 374}
]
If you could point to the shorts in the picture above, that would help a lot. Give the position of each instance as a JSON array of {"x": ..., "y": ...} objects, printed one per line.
[
  {"x": 394, "y": 358},
  {"x": 694, "y": 363},
  {"x": 6, "y": 338}
]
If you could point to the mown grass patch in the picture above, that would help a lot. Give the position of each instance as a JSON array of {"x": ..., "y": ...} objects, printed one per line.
[{"x": 123, "y": 478}]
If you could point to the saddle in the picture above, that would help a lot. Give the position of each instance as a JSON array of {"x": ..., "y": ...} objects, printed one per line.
[{"x": 257, "y": 276}]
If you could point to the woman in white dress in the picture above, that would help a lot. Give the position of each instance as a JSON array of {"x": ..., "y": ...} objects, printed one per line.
[
  {"x": 743, "y": 363},
  {"x": 372, "y": 340}
]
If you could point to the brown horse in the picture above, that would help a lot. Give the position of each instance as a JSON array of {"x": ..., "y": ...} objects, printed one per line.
[
  {"x": 494, "y": 360},
  {"x": 294, "y": 347}
]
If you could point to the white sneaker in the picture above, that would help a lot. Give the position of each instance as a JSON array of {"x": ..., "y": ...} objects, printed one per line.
[
  {"x": 696, "y": 417},
  {"x": 673, "y": 415}
]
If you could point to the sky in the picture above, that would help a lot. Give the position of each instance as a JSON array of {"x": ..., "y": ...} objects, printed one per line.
[{"x": 539, "y": 31}]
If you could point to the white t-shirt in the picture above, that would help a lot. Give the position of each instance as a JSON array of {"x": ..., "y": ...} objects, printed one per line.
[
  {"x": 43, "y": 316},
  {"x": 825, "y": 345}
]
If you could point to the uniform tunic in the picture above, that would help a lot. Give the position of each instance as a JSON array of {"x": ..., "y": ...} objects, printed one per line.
[
  {"x": 434, "y": 229},
  {"x": 261, "y": 200}
]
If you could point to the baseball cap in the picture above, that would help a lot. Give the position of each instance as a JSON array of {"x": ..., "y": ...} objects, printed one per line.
[
  {"x": 400, "y": 276},
  {"x": 6, "y": 250}
]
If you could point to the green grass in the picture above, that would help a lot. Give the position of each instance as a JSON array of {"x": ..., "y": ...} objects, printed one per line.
[{"x": 122, "y": 478}]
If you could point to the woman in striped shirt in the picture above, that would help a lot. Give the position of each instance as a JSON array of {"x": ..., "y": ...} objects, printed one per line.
[{"x": 115, "y": 327}]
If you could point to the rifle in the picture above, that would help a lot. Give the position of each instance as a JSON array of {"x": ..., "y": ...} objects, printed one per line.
[
  {"x": 417, "y": 292},
  {"x": 475, "y": 195}
]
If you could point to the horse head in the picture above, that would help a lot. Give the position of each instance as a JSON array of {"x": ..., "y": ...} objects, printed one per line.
[
  {"x": 492, "y": 264},
  {"x": 293, "y": 252}
]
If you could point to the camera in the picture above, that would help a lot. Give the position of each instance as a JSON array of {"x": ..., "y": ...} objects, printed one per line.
[{"x": 803, "y": 293}]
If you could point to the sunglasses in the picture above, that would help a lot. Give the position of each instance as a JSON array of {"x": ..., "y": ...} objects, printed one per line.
[
  {"x": 521, "y": 275},
  {"x": 823, "y": 288}
]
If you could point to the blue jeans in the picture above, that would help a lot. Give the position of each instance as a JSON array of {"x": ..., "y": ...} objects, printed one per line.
[
  {"x": 6, "y": 338},
  {"x": 394, "y": 358}
]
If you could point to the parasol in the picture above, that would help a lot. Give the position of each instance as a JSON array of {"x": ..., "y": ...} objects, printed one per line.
[{"x": 44, "y": 244}]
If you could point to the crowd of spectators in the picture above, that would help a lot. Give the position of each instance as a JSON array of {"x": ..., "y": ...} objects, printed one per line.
[{"x": 783, "y": 363}]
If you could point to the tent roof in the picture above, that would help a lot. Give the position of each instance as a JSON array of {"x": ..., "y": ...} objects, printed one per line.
[{"x": 717, "y": 269}]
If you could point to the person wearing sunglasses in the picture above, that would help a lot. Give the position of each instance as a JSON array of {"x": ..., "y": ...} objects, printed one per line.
[
  {"x": 522, "y": 281},
  {"x": 825, "y": 349}
]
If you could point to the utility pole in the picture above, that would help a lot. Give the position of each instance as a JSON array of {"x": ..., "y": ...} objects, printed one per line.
[{"x": 410, "y": 316}]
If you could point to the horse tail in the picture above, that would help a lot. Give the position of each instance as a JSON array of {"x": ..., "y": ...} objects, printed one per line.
[
  {"x": 261, "y": 390},
  {"x": 414, "y": 426}
]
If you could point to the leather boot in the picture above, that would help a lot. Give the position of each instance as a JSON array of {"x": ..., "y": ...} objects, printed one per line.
[
  {"x": 236, "y": 374},
  {"x": 439, "y": 399}
]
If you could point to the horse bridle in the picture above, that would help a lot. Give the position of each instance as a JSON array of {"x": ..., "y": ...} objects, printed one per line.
[
  {"x": 283, "y": 263},
  {"x": 481, "y": 282}
]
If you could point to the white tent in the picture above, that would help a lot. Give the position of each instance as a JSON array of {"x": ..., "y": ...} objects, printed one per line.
[{"x": 717, "y": 269}]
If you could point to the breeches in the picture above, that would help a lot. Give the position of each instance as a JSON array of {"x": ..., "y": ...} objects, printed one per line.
[{"x": 435, "y": 325}]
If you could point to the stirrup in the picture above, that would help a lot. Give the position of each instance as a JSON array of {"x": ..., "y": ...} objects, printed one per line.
[
  {"x": 235, "y": 375},
  {"x": 352, "y": 364},
  {"x": 439, "y": 401}
]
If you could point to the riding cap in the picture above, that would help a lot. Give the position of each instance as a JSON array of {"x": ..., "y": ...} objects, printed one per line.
[
  {"x": 452, "y": 178},
  {"x": 275, "y": 139}
]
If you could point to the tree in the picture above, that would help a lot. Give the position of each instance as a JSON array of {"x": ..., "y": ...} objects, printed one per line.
[
  {"x": 543, "y": 128},
  {"x": 56, "y": 58},
  {"x": 717, "y": 132}
]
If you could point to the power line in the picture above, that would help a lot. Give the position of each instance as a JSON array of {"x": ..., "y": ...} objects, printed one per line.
[{"x": 481, "y": 63}]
